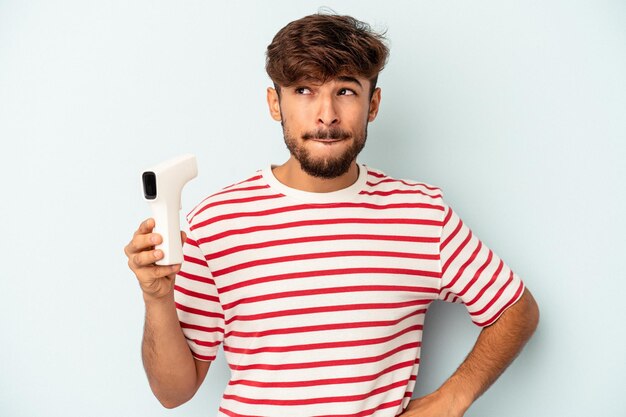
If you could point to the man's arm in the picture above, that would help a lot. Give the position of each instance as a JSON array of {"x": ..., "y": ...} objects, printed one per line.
[
  {"x": 496, "y": 347},
  {"x": 174, "y": 374}
]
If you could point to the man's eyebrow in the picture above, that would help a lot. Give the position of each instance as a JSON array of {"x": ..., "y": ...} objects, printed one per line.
[{"x": 349, "y": 79}]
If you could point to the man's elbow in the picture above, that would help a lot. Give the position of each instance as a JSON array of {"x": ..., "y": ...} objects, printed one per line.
[
  {"x": 531, "y": 312},
  {"x": 173, "y": 396},
  {"x": 171, "y": 403}
]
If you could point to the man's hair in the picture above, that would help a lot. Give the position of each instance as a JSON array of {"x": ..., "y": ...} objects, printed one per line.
[{"x": 320, "y": 47}]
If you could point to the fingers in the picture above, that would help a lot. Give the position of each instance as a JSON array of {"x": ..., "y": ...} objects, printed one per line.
[
  {"x": 140, "y": 251},
  {"x": 145, "y": 227},
  {"x": 155, "y": 280},
  {"x": 143, "y": 238},
  {"x": 183, "y": 237},
  {"x": 146, "y": 258},
  {"x": 143, "y": 264},
  {"x": 157, "y": 272},
  {"x": 141, "y": 243}
]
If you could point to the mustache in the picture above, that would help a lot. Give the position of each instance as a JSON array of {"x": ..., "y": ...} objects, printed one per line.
[{"x": 334, "y": 133}]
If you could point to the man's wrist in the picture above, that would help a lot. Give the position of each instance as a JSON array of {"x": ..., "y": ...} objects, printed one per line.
[
  {"x": 158, "y": 301},
  {"x": 457, "y": 394}
]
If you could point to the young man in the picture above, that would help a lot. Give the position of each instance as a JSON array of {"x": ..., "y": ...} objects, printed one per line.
[{"x": 316, "y": 275}]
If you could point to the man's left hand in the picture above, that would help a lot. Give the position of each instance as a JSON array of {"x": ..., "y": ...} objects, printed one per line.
[{"x": 433, "y": 405}]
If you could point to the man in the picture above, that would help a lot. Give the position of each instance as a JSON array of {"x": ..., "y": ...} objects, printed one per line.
[{"x": 316, "y": 275}]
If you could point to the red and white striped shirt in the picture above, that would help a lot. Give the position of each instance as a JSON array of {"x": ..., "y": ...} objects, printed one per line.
[{"x": 319, "y": 298}]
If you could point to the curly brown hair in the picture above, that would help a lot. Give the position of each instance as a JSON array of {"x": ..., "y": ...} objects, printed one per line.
[{"x": 320, "y": 47}]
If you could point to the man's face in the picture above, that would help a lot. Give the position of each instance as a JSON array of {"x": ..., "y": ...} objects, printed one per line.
[{"x": 325, "y": 125}]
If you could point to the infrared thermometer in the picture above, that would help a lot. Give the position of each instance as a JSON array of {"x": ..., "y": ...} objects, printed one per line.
[{"x": 162, "y": 186}]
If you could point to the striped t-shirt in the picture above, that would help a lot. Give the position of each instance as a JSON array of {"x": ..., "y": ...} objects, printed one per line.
[{"x": 318, "y": 299}]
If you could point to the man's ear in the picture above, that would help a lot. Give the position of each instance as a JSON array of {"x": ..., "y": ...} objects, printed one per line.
[
  {"x": 273, "y": 102},
  {"x": 374, "y": 105}
]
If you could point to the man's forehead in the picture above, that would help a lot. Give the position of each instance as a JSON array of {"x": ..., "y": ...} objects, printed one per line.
[{"x": 356, "y": 79}]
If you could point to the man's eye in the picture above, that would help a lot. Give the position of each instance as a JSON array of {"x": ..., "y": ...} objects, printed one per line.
[
  {"x": 346, "y": 92},
  {"x": 303, "y": 90}
]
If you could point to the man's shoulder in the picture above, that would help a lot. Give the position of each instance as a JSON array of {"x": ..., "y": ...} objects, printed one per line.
[
  {"x": 254, "y": 191},
  {"x": 379, "y": 183},
  {"x": 247, "y": 190}
]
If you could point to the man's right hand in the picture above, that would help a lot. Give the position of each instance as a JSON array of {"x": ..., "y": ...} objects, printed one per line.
[
  {"x": 173, "y": 373},
  {"x": 155, "y": 281}
]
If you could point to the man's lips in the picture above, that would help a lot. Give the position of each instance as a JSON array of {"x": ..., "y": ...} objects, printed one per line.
[
  {"x": 326, "y": 140},
  {"x": 332, "y": 135}
]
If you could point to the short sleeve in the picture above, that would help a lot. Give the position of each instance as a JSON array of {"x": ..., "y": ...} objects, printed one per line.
[
  {"x": 199, "y": 310},
  {"x": 473, "y": 275}
]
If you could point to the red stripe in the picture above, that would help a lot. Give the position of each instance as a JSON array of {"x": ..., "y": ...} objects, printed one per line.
[
  {"x": 225, "y": 188},
  {"x": 448, "y": 217},
  {"x": 323, "y": 345},
  {"x": 236, "y": 201},
  {"x": 202, "y": 357},
  {"x": 387, "y": 180},
  {"x": 487, "y": 286},
  {"x": 318, "y": 222},
  {"x": 233, "y": 190},
  {"x": 369, "y": 411},
  {"x": 331, "y": 290},
  {"x": 410, "y": 184},
  {"x": 324, "y": 327},
  {"x": 507, "y": 305},
  {"x": 300, "y": 207},
  {"x": 376, "y": 174},
  {"x": 193, "y": 260},
  {"x": 321, "y": 255},
  {"x": 321, "y": 400},
  {"x": 198, "y": 278},
  {"x": 198, "y": 311},
  {"x": 326, "y": 309},
  {"x": 456, "y": 253},
  {"x": 309, "y": 239},
  {"x": 452, "y": 235},
  {"x": 196, "y": 294},
  {"x": 233, "y": 414},
  {"x": 322, "y": 364},
  {"x": 394, "y": 192},
  {"x": 329, "y": 272},
  {"x": 201, "y": 328},
  {"x": 254, "y": 178},
  {"x": 316, "y": 382},
  {"x": 477, "y": 275},
  {"x": 205, "y": 343},
  {"x": 495, "y": 298}
]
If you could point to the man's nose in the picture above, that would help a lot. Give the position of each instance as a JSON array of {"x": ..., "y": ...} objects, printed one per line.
[{"x": 327, "y": 114}]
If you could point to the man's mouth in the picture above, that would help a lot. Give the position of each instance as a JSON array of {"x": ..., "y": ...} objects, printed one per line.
[
  {"x": 332, "y": 135},
  {"x": 329, "y": 140}
]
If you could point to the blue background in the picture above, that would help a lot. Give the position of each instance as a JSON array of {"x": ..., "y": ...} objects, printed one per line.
[{"x": 516, "y": 109}]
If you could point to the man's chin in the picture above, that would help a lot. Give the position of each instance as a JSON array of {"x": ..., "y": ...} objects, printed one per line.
[
  {"x": 325, "y": 168},
  {"x": 325, "y": 158}
]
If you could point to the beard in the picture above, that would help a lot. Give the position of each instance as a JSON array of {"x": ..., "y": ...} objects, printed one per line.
[{"x": 327, "y": 167}]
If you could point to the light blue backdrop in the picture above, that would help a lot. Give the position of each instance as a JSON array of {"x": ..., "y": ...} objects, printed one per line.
[{"x": 516, "y": 109}]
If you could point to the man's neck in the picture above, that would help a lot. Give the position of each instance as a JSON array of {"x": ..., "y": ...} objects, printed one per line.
[{"x": 292, "y": 175}]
